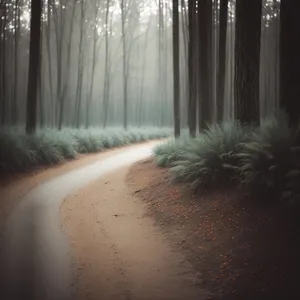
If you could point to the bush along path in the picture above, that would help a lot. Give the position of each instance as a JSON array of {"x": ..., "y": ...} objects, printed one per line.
[
  {"x": 34, "y": 253},
  {"x": 264, "y": 160},
  {"x": 21, "y": 152},
  {"x": 243, "y": 187}
]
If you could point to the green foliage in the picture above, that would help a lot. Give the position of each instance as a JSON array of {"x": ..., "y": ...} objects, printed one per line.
[
  {"x": 269, "y": 157},
  {"x": 20, "y": 152},
  {"x": 265, "y": 160},
  {"x": 168, "y": 152},
  {"x": 210, "y": 159},
  {"x": 15, "y": 151}
]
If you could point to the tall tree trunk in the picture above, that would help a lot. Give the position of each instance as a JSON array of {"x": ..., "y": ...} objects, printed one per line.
[
  {"x": 48, "y": 42},
  {"x": 90, "y": 96},
  {"x": 205, "y": 85},
  {"x": 94, "y": 62},
  {"x": 160, "y": 69},
  {"x": 143, "y": 73},
  {"x": 192, "y": 113},
  {"x": 222, "y": 59},
  {"x": 176, "y": 70},
  {"x": 67, "y": 75},
  {"x": 14, "y": 108},
  {"x": 247, "y": 59},
  {"x": 3, "y": 99},
  {"x": 80, "y": 66},
  {"x": 59, "y": 29},
  {"x": 40, "y": 82},
  {"x": 34, "y": 59},
  {"x": 125, "y": 66},
  {"x": 106, "y": 68},
  {"x": 290, "y": 59}
]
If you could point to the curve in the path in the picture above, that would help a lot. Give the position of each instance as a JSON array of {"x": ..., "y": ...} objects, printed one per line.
[{"x": 35, "y": 259}]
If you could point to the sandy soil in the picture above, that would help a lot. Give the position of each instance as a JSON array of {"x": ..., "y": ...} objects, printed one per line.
[
  {"x": 13, "y": 187},
  {"x": 244, "y": 248},
  {"x": 119, "y": 252},
  {"x": 35, "y": 224}
]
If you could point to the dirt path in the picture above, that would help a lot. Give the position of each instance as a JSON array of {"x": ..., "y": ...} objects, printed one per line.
[
  {"x": 119, "y": 252},
  {"x": 34, "y": 252},
  {"x": 14, "y": 187}
]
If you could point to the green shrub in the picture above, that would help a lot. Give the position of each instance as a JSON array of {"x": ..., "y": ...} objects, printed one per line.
[
  {"x": 170, "y": 151},
  {"x": 45, "y": 146},
  {"x": 266, "y": 161},
  {"x": 20, "y": 152},
  {"x": 15, "y": 151},
  {"x": 211, "y": 159}
]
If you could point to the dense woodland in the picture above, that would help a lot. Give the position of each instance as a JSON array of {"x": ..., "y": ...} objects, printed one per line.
[
  {"x": 221, "y": 76},
  {"x": 103, "y": 63},
  {"x": 70, "y": 66}
]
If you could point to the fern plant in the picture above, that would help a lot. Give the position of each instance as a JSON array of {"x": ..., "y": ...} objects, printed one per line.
[
  {"x": 20, "y": 152},
  {"x": 169, "y": 151},
  {"x": 211, "y": 159},
  {"x": 266, "y": 160}
]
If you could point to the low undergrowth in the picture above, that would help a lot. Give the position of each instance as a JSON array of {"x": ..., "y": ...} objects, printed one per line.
[
  {"x": 20, "y": 152},
  {"x": 265, "y": 160}
]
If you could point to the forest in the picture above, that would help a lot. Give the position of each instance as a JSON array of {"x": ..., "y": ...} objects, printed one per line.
[
  {"x": 80, "y": 76},
  {"x": 215, "y": 84}
]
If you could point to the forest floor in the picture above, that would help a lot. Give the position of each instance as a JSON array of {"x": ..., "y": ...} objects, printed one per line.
[
  {"x": 118, "y": 251},
  {"x": 14, "y": 186},
  {"x": 136, "y": 236},
  {"x": 241, "y": 248}
]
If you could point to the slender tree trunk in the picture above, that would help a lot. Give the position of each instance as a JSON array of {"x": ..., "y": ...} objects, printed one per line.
[
  {"x": 222, "y": 59},
  {"x": 125, "y": 71},
  {"x": 59, "y": 28},
  {"x": 3, "y": 99},
  {"x": 165, "y": 59},
  {"x": 106, "y": 68},
  {"x": 67, "y": 75},
  {"x": 34, "y": 58},
  {"x": 90, "y": 97},
  {"x": 80, "y": 67},
  {"x": 290, "y": 59},
  {"x": 14, "y": 108},
  {"x": 48, "y": 42},
  {"x": 247, "y": 59},
  {"x": 40, "y": 83},
  {"x": 205, "y": 63},
  {"x": 191, "y": 68},
  {"x": 176, "y": 70},
  {"x": 143, "y": 73}
]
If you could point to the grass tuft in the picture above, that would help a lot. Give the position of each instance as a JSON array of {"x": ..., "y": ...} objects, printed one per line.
[
  {"x": 21, "y": 152},
  {"x": 265, "y": 160}
]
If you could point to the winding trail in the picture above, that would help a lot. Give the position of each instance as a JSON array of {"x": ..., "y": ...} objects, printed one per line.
[{"x": 36, "y": 259}]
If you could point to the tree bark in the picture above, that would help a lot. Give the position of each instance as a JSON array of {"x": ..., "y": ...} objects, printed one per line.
[
  {"x": 143, "y": 73},
  {"x": 222, "y": 59},
  {"x": 176, "y": 70},
  {"x": 192, "y": 113},
  {"x": 14, "y": 108},
  {"x": 34, "y": 59},
  {"x": 205, "y": 100},
  {"x": 106, "y": 68},
  {"x": 80, "y": 64},
  {"x": 3, "y": 23},
  {"x": 247, "y": 60},
  {"x": 48, "y": 37},
  {"x": 125, "y": 66},
  {"x": 290, "y": 59}
]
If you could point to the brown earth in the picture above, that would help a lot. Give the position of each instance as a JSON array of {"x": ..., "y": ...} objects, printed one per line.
[
  {"x": 242, "y": 248},
  {"x": 14, "y": 186},
  {"x": 118, "y": 252}
]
